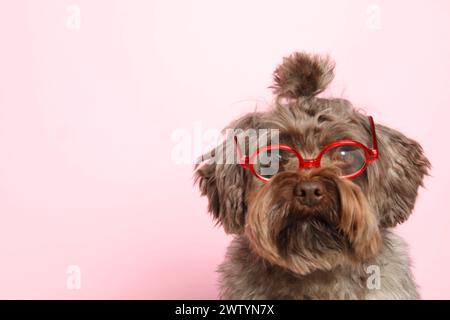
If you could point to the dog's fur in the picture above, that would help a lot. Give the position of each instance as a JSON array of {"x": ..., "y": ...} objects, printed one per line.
[{"x": 285, "y": 250}]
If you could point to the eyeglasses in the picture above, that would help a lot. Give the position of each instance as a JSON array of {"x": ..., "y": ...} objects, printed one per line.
[{"x": 349, "y": 156}]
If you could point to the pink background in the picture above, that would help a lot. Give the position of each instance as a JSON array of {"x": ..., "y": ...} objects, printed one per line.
[{"x": 87, "y": 117}]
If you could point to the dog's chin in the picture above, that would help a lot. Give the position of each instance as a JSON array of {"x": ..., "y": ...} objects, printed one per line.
[
  {"x": 309, "y": 237},
  {"x": 302, "y": 239},
  {"x": 308, "y": 230}
]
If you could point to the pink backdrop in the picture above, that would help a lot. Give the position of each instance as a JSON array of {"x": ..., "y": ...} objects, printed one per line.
[{"x": 91, "y": 95}]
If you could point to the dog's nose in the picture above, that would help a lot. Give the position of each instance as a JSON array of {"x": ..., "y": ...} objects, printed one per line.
[{"x": 309, "y": 192}]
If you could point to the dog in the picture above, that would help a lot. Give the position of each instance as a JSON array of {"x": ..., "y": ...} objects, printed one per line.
[{"x": 320, "y": 225}]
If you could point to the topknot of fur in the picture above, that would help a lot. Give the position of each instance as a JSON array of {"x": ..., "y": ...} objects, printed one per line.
[{"x": 302, "y": 75}]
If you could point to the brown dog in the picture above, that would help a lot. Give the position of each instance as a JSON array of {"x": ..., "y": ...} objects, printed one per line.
[{"x": 318, "y": 227}]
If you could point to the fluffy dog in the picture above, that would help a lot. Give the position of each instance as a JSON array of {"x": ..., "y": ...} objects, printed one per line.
[{"x": 320, "y": 226}]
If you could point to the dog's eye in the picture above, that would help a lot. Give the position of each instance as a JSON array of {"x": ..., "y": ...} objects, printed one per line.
[
  {"x": 269, "y": 162},
  {"x": 350, "y": 159}
]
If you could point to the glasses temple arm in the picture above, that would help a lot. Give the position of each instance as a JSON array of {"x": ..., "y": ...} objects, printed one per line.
[
  {"x": 374, "y": 139},
  {"x": 243, "y": 160}
]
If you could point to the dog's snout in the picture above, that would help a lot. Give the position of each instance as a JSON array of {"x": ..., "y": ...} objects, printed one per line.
[{"x": 310, "y": 193}]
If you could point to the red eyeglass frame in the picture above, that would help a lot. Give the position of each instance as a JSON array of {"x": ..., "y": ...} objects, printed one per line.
[{"x": 371, "y": 154}]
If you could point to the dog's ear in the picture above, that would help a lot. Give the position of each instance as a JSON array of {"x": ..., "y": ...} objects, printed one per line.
[
  {"x": 302, "y": 75},
  {"x": 224, "y": 181},
  {"x": 394, "y": 179}
]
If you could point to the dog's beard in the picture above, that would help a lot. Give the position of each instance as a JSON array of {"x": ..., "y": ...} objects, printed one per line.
[
  {"x": 340, "y": 229},
  {"x": 295, "y": 231}
]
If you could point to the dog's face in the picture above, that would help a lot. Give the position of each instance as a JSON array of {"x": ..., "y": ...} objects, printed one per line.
[{"x": 311, "y": 219}]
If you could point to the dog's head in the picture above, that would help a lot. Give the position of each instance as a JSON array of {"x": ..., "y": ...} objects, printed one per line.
[{"x": 309, "y": 215}]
